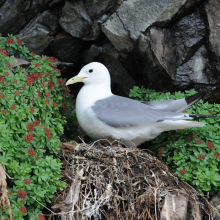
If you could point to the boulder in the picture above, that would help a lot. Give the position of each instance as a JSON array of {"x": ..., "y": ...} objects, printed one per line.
[
  {"x": 215, "y": 201},
  {"x": 75, "y": 20},
  {"x": 177, "y": 45},
  {"x": 213, "y": 15},
  {"x": 114, "y": 30},
  {"x": 37, "y": 33},
  {"x": 96, "y": 10},
  {"x": 65, "y": 48},
  {"x": 16, "y": 14}
]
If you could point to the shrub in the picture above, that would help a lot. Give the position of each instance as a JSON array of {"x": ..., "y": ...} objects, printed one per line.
[
  {"x": 31, "y": 102},
  {"x": 192, "y": 153}
]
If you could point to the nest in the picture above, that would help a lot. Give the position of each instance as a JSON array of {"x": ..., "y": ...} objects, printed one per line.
[{"x": 111, "y": 182}]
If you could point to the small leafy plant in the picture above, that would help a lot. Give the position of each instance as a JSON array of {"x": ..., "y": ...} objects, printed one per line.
[
  {"x": 31, "y": 102},
  {"x": 192, "y": 153}
]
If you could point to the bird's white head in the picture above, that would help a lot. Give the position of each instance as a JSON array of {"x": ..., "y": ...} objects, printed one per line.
[{"x": 93, "y": 73}]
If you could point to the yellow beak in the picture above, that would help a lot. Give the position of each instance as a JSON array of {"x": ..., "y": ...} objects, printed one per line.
[{"x": 75, "y": 79}]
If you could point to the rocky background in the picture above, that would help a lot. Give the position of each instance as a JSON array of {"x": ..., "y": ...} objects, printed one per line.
[{"x": 166, "y": 45}]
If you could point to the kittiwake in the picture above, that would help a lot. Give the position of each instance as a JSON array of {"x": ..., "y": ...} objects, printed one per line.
[{"x": 103, "y": 115}]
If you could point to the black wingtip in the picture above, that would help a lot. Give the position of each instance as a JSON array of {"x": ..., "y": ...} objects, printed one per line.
[
  {"x": 204, "y": 116},
  {"x": 194, "y": 98}
]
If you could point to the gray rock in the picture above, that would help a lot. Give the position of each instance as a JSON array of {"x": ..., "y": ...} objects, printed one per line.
[
  {"x": 194, "y": 69},
  {"x": 36, "y": 34},
  {"x": 212, "y": 10},
  {"x": 138, "y": 15},
  {"x": 177, "y": 45},
  {"x": 65, "y": 48},
  {"x": 54, "y": 2},
  {"x": 114, "y": 30},
  {"x": 75, "y": 20},
  {"x": 95, "y": 10},
  {"x": 14, "y": 15}
]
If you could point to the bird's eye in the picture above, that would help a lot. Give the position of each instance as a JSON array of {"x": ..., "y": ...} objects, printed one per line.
[{"x": 90, "y": 70}]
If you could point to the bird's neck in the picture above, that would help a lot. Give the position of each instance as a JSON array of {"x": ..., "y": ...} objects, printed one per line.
[{"x": 89, "y": 94}]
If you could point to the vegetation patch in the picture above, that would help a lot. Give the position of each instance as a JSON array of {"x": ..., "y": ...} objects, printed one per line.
[{"x": 32, "y": 99}]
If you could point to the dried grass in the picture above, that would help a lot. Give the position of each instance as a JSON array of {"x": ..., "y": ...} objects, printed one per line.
[{"x": 106, "y": 182}]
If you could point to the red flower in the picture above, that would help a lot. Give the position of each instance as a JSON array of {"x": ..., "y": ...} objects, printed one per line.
[
  {"x": 160, "y": 151},
  {"x": 30, "y": 127},
  {"x": 10, "y": 40},
  {"x": 4, "y": 112},
  {"x": 39, "y": 58},
  {"x": 33, "y": 54},
  {"x": 4, "y": 52},
  {"x": 6, "y": 84},
  {"x": 6, "y": 73},
  {"x": 17, "y": 92},
  {"x": 21, "y": 68},
  {"x": 47, "y": 131},
  {"x": 41, "y": 217},
  {"x": 55, "y": 104},
  {"x": 51, "y": 59},
  {"x": 1, "y": 79},
  {"x": 13, "y": 107},
  {"x": 34, "y": 76},
  {"x": 39, "y": 94},
  {"x": 29, "y": 79},
  {"x": 24, "y": 100},
  {"x": 36, "y": 122},
  {"x": 27, "y": 181},
  {"x": 15, "y": 81},
  {"x": 58, "y": 71},
  {"x": 23, "y": 209},
  {"x": 61, "y": 82},
  {"x": 21, "y": 194},
  {"x": 2, "y": 96},
  {"x": 41, "y": 74},
  {"x": 24, "y": 86},
  {"x": 37, "y": 65},
  {"x": 183, "y": 171},
  {"x": 9, "y": 65},
  {"x": 22, "y": 201},
  {"x": 210, "y": 112},
  {"x": 198, "y": 142},
  {"x": 37, "y": 158},
  {"x": 50, "y": 84},
  {"x": 46, "y": 102},
  {"x": 191, "y": 137},
  {"x": 210, "y": 145},
  {"x": 184, "y": 111},
  {"x": 31, "y": 152},
  {"x": 10, "y": 192},
  {"x": 46, "y": 74},
  {"x": 19, "y": 41},
  {"x": 49, "y": 135},
  {"x": 201, "y": 156},
  {"x": 54, "y": 67},
  {"x": 47, "y": 94},
  {"x": 29, "y": 137},
  {"x": 32, "y": 109},
  {"x": 34, "y": 100},
  {"x": 66, "y": 91},
  {"x": 216, "y": 155}
]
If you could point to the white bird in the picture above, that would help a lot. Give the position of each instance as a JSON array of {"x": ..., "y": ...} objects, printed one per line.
[{"x": 103, "y": 115}]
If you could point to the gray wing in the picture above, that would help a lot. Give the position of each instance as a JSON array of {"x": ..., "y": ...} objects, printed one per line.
[
  {"x": 176, "y": 105},
  {"x": 119, "y": 111}
]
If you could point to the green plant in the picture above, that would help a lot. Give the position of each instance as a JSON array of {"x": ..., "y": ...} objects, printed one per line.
[
  {"x": 192, "y": 153},
  {"x": 31, "y": 102},
  {"x": 70, "y": 128}
]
